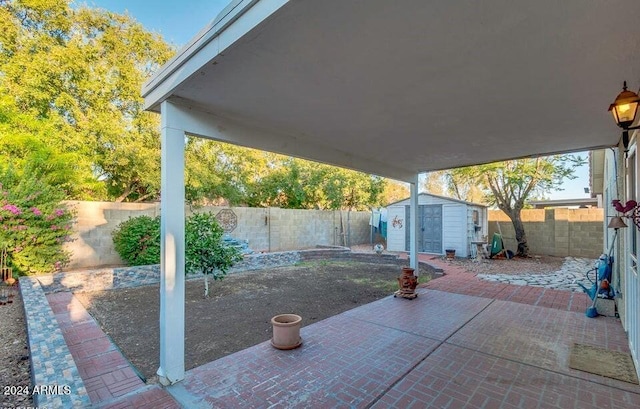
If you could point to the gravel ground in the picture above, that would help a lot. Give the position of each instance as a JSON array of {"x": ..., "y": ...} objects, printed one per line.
[
  {"x": 535, "y": 264},
  {"x": 14, "y": 355},
  {"x": 516, "y": 265}
]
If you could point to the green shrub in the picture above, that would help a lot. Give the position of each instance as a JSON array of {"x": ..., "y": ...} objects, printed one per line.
[
  {"x": 35, "y": 224},
  {"x": 137, "y": 240}
]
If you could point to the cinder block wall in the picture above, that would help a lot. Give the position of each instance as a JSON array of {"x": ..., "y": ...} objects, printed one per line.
[
  {"x": 555, "y": 232},
  {"x": 266, "y": 229},
  {"x": 92, "y": 244}
]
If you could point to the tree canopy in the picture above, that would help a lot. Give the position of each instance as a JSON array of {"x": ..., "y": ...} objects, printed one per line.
[
  {"x": 73, "y": 76},
  {"x": 71, "y": 113}
]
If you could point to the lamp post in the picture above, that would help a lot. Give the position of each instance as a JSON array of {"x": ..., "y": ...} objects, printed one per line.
[{"x": 624, "y": 110}]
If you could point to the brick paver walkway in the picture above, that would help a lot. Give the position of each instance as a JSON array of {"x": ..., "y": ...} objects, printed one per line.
[
  {"x": 108, "y": 377},
  {"x": 456, "y": 280}
]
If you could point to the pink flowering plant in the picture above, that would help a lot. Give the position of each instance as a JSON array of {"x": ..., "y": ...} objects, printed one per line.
[{"x": 34, "y": 224}]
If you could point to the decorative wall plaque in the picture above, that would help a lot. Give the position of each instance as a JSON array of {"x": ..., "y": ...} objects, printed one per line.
[{"x": 227, "y": 219}]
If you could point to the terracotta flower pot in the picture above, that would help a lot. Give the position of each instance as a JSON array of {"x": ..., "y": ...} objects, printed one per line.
[
  {"x": 286, "y": 331},
  {"x": 451, "y": 254}
]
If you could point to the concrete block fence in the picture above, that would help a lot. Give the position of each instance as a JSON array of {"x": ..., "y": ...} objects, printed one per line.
[
  {"x": 555, "y": 232},
  {"x": 266, "y": 229}
]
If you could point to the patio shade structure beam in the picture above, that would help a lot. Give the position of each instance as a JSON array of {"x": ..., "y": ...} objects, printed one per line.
[
  {"x": 414, "y": 225},
  {"x": 198, "y": 121},
  {"x": 172, "y": 249}
]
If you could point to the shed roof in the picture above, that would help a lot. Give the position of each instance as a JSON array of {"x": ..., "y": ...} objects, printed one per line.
[{"x": 451, "y": 199}]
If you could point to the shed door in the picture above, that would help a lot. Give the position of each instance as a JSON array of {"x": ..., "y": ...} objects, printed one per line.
[{"x": 430, "y": 229}]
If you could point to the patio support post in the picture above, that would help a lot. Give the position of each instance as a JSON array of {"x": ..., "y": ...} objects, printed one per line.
[
  {"x": 415, "y": 225},
  {"x": 172, "y": 248}
]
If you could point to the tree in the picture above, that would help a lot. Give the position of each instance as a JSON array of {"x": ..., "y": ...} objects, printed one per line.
[
  {"x": 218, "y": 172},
  {"x": 137, "y": 241},
  {"x": 394, "y": 192},
  {"x": 25, "y": 143},
  {"x": 509, "y": 184},
  {"x": 434, "y": 182},
  {"x": 300, "y": 184},
  {"x": 205, "y": 250},
  {"x": 448, "y": 183},
  {"x": 77, "y": 72}
]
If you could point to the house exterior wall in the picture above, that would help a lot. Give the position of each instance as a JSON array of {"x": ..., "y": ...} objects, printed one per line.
[
  {"x": 555, "y": 232},
  {"x": 622, "y": 182},
  {"x": 266, "y": 229},
  {"x": 614, "y": 189}
]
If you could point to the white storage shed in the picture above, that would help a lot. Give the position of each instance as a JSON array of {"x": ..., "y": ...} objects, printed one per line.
[{"x": 446, "y": 223}]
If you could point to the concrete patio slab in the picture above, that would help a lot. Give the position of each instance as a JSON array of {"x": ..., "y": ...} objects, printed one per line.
[
  {"x": 455, "y": 377},
  {"x": 433, "y": 314},
  {"x": 343, "y": 362},
  {"x": 440, "y": 350}
]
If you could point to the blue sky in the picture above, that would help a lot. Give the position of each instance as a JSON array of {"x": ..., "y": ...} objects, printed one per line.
[{"x": 179, "y": 21}]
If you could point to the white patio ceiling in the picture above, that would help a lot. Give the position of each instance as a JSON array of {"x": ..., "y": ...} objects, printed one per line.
[{"x": 400, "y": 87}]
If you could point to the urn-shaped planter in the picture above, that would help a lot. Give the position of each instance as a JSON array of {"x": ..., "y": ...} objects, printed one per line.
[
  {"x": 286, "y": 331},
  {"x": 407, "y": 282}
]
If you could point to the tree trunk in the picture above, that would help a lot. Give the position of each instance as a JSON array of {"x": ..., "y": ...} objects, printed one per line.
[
  {"x": 206, "y": 286},
  {"x": 521, "y": 236},
  {"x": 124, "y": 195}
]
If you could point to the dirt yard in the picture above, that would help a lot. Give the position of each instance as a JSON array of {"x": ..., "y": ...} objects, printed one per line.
[
  {"x": 238, "y": 313},
  {"x": 14, "y": 355}
]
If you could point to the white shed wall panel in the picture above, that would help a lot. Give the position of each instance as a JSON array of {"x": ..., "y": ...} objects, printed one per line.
[
  {"x": 396, "y": 228},
  {"x": 454, "y": 231}
]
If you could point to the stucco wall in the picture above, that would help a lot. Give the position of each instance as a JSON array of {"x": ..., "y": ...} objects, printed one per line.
[
  {"x": 555, "y": 232},
  {"x": 266, "y": 229}
]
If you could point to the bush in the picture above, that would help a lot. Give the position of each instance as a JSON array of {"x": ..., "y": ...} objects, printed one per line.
[
  {"x": 137, "y": 240},
  {"x": 35, "y": 224},
  {"x": 205, "y": 250}
]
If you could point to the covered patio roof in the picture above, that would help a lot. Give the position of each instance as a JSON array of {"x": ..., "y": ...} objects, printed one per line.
[
  {"x": 389, "y": 88},
  {"x": 399, "y": 88}
]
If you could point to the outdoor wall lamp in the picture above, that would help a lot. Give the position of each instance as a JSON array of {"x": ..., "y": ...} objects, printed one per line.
[{"x": 624, "y": 110}]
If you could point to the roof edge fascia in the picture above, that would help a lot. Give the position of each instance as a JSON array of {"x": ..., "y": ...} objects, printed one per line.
[
  {"x": 452, "y": 199},
  {"x": 229, "y": 15}
]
